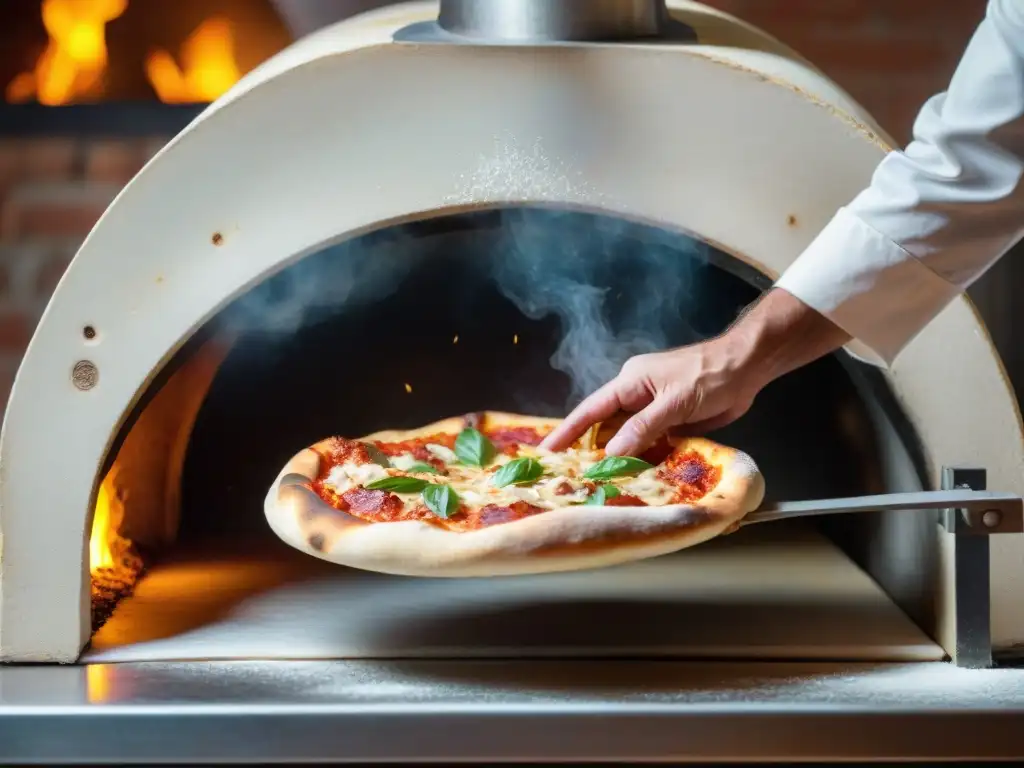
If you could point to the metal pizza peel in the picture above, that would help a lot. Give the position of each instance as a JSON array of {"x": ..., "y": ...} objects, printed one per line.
[{"x": 961, "y": 510}]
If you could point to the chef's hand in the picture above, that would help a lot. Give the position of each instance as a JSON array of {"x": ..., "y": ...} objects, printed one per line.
[{"x": 705, "y": 386}]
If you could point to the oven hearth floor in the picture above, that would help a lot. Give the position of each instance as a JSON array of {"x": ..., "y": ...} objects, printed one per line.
[{"x": 768, "y": 592}]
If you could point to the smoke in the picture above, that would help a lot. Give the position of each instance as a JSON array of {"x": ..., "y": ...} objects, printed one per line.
[
  {"x": 619, "y": 289},
  {"x": 341, "y": 277}
]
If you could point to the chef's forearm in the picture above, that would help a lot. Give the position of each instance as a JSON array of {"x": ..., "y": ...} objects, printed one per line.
[
  {"x": 937, "y": 215},
  {"x": 779, "y": 334}
]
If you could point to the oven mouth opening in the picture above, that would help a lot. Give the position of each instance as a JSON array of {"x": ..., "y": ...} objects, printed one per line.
[{"x": 522, "y": 309}]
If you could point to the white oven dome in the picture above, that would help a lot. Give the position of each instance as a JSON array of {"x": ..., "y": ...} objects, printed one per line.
[{"x": 735, "y": 140}]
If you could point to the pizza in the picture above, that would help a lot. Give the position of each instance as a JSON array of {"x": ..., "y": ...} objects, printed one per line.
[{"x": 477, "y": 496}]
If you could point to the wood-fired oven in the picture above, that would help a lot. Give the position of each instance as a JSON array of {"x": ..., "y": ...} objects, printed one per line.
[{"x": 423, "y": 212}]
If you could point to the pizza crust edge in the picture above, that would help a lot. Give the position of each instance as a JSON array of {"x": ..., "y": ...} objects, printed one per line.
[{"x": 566, "y": 539}]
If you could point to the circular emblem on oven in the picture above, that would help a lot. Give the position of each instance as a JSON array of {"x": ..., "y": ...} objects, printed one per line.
[{"x": 85, "y": 374}]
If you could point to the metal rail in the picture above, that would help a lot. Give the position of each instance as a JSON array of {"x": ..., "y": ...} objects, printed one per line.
[{"x": 983, "y": 511}]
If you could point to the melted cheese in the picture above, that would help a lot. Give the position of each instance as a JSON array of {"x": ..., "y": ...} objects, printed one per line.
[
  {"x": 562, "y": 471},
  {"x": 447, "y": 455}
]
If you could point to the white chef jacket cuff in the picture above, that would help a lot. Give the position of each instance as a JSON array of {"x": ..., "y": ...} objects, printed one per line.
[{"x": 867, "y": 285}]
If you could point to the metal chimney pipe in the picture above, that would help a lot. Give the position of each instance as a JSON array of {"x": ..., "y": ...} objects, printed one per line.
[{"x": 552, "y": 20}]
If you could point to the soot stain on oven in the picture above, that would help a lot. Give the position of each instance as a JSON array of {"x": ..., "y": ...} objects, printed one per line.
[{"x": 522, "y": 309}]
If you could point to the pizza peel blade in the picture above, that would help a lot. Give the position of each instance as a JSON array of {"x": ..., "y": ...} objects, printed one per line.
[{"x": 997, "y": 512}]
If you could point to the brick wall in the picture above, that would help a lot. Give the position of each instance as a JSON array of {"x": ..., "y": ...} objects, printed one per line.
[
  {"x": 889, "y": 54},
  {"x": 52, "y": 191}
]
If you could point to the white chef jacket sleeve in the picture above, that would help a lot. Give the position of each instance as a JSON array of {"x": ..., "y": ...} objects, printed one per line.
[{"x": 936, "y": 215}]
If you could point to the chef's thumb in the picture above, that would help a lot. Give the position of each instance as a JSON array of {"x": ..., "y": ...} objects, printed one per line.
[{"x": 641, "y": 429}]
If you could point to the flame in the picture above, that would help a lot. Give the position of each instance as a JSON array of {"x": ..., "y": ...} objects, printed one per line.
[
  {"x": 114, "y": 565},
  {"x": 71, "y": 67},
  {"x": 106, "y": 545},
  {"x": 75, "y": 57},
  {"x": 210, "y": 69}
]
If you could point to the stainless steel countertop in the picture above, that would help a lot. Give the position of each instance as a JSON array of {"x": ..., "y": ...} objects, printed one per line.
[{"x": 491, "y": 711}]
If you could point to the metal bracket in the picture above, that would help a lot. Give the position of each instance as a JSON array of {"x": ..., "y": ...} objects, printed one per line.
[
  {"x": 1000, "y": 517},
  {"x": 971, "y": 570},
  {"x": 965, "y": 509}
]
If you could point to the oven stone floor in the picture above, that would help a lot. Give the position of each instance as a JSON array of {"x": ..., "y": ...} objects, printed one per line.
[{"x": 773, "y": 592}]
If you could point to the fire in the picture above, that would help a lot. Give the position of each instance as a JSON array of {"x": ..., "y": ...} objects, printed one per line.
[
  {"x": 113, "y": 563},
  {"x": 72, "y": 67},
  {"x": 106, "y": 545},
  {"x": 209, "y": 68}
]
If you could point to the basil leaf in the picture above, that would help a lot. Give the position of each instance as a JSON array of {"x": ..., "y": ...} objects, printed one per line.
[
  {"x": 423, "y": 467},
  {"x": 377, "y": 456},
  {"x": 473, "y": 448},
  {"x": 600, "y": 496},
  {"x": 517, "y": 471},
  {"x": 441, "y": 500},
  {"x": 397, "y": 484},
  {"x": 616, "y": 466}
]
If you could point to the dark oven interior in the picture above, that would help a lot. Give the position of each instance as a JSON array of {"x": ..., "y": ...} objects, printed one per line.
[{"x": 521, "y": 309}]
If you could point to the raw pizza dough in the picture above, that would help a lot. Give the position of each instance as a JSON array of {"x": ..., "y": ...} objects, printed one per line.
[{"x": 564, "y": 538}]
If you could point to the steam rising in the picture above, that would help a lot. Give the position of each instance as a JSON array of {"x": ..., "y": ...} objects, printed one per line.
[
  {"x": 618, "y": 289},
  {"x": 343, "y": 276}
]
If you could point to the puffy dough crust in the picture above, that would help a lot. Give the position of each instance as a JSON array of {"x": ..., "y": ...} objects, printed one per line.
[{"x": 567, "y": 539}]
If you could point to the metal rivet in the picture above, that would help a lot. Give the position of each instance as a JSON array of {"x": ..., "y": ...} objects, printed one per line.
[
  {"x": 217, "y": 238},
  {"x": 991, "y": 518},
  {"x": 85, "y": 375},
  {"x": 89, "y": 332}
]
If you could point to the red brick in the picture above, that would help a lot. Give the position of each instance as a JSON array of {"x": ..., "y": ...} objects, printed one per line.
[
  {"x": 115, "y": 161},
  {"x": 5, "y": 280},
  {"x": 54, "y": 210},
  {"x": 37, "y": 159},
  {"x": 961, "y": 14},
  {"x": 15, "y": 331},
  {"x": 154, "y": 145},
  {"x": 868, "y": 56},
  {"x": 49, "y": 275},
  {"x": 8, "y": 370},
  {"x": 779, "y": 12}
]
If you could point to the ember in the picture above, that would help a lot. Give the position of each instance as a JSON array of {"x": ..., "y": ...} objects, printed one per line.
[{"x": 114, "y": 565}]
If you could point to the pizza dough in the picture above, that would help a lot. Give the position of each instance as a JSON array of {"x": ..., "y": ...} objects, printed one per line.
[{"x": 561, "y": 539}]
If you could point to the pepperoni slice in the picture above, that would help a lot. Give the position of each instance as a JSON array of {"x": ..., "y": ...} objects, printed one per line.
[
  {"x": 625, "y": 500},
  {"x": 381, "y": 505},
  {"x": 493, "y": 514}
]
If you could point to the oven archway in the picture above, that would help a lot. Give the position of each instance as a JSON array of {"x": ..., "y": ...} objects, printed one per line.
[{"x": 473, "y": 311}]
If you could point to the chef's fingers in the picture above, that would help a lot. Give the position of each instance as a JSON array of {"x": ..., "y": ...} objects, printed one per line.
[
  {"x": 643, "y": 428},
  {"x": 704, "y": 426},
  {"x": 599, "y": 406}
]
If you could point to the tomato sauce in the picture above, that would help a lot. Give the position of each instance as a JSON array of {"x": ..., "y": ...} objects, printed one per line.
[
  {"x": 508, "y": 439},
  {"x": 625, "y": 500},
  {"x": 691, "y": 474},
  {"x": 338, "y": 450},
  {"x": 495, "y": 514}
]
